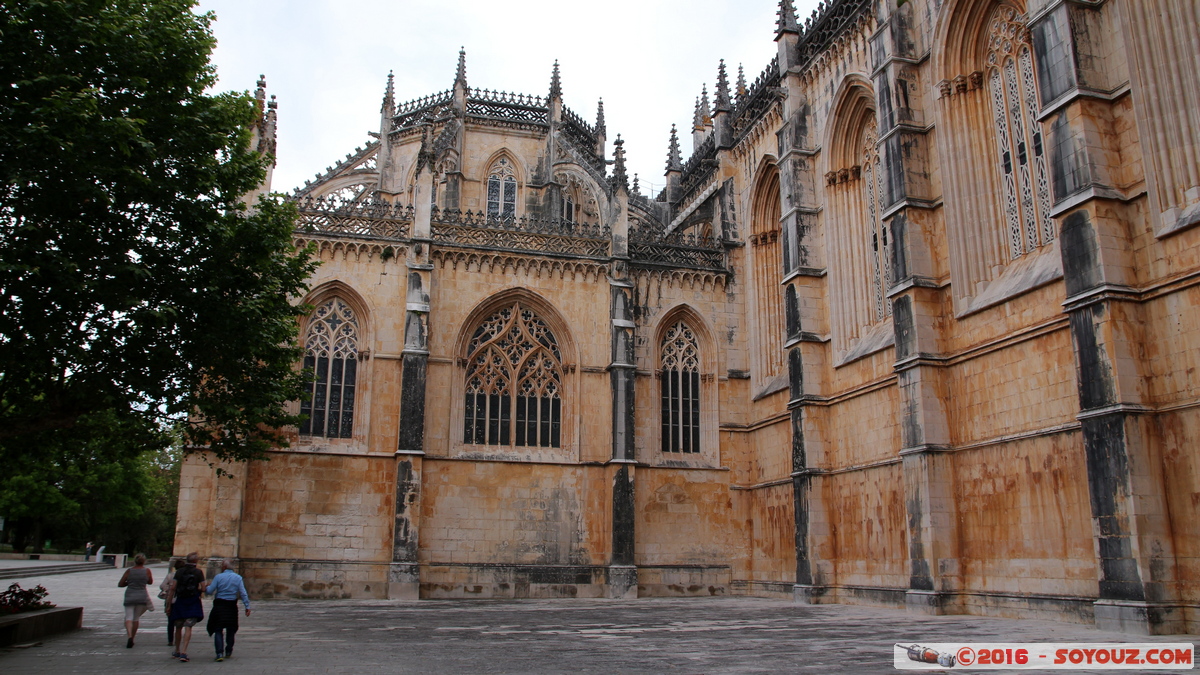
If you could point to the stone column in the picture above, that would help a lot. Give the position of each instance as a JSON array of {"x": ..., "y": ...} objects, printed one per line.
[
  {"x": 1131, "y": 523},
  {"x": 906, "y": 205},
  {"x": 803, "y": 294},
  {"x": 404, "y": 575},
  {"x": 622, "y": 572}
]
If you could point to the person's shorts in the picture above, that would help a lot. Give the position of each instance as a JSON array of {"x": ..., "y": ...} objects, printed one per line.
[
  {"x": 188, "y": 622},
  {"x": 134, "y": 612}
]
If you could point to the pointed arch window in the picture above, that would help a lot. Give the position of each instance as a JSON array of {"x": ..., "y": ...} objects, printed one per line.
[
  {"x": 880, "y": 245},
  {"x": 767, "y": 274},
  {"x": 502, "y": 190},
  {"x": 680, "y": 385},
  {"x": 1023, "y": 172},
  {"x": 514, "y": 382},
  {"x": 331, "y": 353}
]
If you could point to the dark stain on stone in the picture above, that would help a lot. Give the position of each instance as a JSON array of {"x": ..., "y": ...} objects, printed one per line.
[
  {"x": 408, "y": 490},
  {"x": 1080, "y": 252},
  {"x": 795, "y": 373},
  {"x": 902, "y": 323},
  {"x": 1108, "y": 474},
  {"x": 623, "y": 517},
  {"x": 1095, "y": 380},
  {"x": 899, "y": 231},
  {"x": 791, "y": 311},
  {"x": 800, "y": 488},
  {"x": 412, "y": 403}
]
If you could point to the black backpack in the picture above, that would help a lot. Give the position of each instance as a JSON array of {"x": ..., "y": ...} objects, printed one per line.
[{"x": 187, "y": 581}]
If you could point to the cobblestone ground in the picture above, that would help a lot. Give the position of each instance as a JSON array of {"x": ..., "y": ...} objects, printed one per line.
[{"x": 692, "y": 635}]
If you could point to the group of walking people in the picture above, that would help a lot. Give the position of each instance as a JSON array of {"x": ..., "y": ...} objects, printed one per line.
[{"x": 182, "y": 592}]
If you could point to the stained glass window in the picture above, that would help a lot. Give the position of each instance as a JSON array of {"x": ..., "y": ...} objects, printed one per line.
[
  {"x": 680, "y": 390},
  {"x": 514, "y": 382},
  {"x": 1023, "y": 171},
  {"x": 501, "y": 190},
  {"x": 331, "y": 353}
]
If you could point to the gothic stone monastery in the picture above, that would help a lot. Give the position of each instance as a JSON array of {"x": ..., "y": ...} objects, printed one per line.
[{"x": 917, "y": 324}]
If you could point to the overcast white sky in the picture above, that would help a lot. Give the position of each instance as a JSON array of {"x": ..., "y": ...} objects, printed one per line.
[{"x": 327, "y": 62}]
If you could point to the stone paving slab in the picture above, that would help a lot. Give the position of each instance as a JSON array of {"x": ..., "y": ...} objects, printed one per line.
[{"x": 649, "y": 635}]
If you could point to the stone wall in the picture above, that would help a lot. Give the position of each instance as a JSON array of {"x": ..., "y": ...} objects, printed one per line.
[{"x": 987, "y": 400}]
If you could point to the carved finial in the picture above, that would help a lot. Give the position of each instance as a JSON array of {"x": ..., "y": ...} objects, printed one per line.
[
  {"x": 722, "y": 89},
  {"x": 705, "y": 110},
  {"x": 786, "y": 22},
  {"x": 600, "y": 128},
  {"x": 460, "y": 74},
  {"x": 741, "y": 83},
  {"x": 620, "y": 178},
  {"x": 637, "y": 190},
  {"x": 697, "y": 117},
  {"x": 555, "y": 82},
  {"x": 674, "y": 161}
]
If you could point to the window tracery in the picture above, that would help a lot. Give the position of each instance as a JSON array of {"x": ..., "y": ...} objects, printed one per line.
[
  {"x": 502, "y": 190},
  {"x": 1024, "y": 174},
  {"x": 680, "y": 389},
  {"x": 349, "y": 193},
  {"x": 881, "y": 243},
  {"x": 513, "y": 382},
  {"x": 583, "y": 206},
  {"x": 331, "y": 353}
]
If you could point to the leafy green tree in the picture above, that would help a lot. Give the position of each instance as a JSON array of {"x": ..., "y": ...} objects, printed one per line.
[
  {"x": 96, "y": 478},
  {"x": 134, "y": 281}
]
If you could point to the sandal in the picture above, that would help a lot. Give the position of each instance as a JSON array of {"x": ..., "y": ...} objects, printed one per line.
[{"x": 183, "y": 658}]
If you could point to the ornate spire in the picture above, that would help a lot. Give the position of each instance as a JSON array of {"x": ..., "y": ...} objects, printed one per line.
[
  {"x": 674, "y": 161},
  {"x": 619, "y": 177},
  {"x": 705, "y": 110},
  {"x": 267, "y": 144},
  {"x": 637, "y": 190},
  {"x": 698, "y": 117},
  {"x": 260, "y": 94},
  {"x": 555, "y": 82},
  {"x": 389, "y": 95},
  {"x": 786, "y": 22},
  {"x": 722, "y": 89},
  {"x": 741, "y": 83},
  {"x": 600, "y": 128},
  {"x": 460, "y": 75}
]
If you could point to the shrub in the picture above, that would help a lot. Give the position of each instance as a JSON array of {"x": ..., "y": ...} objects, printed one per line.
[{"x": 17, "y": 599}]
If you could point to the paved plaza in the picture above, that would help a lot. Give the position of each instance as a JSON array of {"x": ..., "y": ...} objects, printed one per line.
[{"x": 687, "y": 635}]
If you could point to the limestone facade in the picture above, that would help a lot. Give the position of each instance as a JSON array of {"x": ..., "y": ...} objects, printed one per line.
[{"x": 916, "y": 324}]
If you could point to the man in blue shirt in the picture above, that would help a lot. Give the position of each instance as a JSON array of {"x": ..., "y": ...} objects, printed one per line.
[{"x": 225, "y": 588}]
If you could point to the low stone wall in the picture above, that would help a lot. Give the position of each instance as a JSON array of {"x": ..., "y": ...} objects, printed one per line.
[
  {"x": 33, "y": 626},
  {"x": 763, "y": 589},
  {"x": 42, "y": 556},
  {"x": 683, "y": 580},
  {"x": 493, "y": 580},
  {"x": 313, "y": 579}
]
